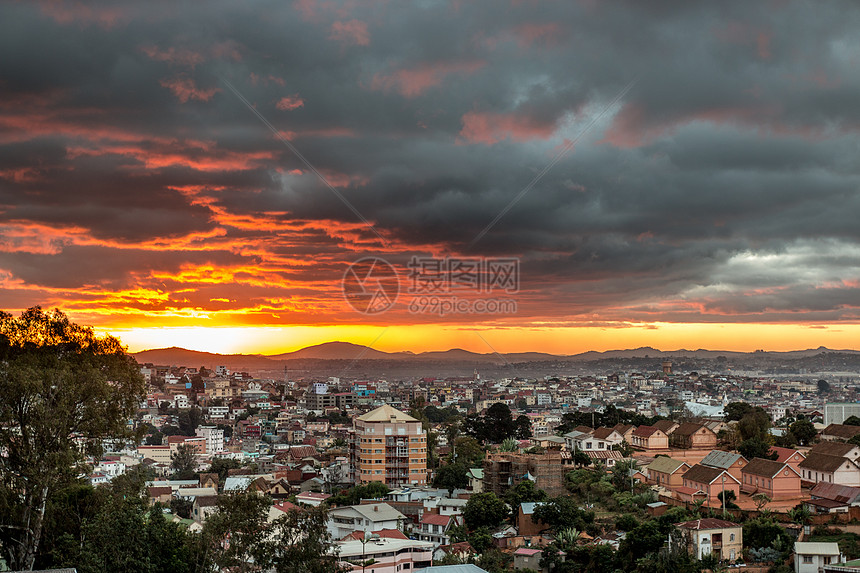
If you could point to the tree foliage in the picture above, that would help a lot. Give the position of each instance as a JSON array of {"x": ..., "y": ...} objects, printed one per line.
[
  {"x": 63, "y": 393},
  {"x": 183, "y": 462},
  {"x": 804, "y": 431},
  {"x": 241, "y": 538},
  {"x": 756, "y": 448},
  {"x": 523, "y": 492},
  {"x": 493, "y": 427},
  {"x": 452, "y": 476},
  {"x": 354, "y": 495},
  {"x": 485, "y": 510},
  {"x": 563, "y": 512}
]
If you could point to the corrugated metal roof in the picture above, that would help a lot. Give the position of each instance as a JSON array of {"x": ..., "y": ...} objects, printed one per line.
[
  {"x": 665, "y": 465},
  {"x": 720, "y": 459},
  {"x": 816, "y": 547}
]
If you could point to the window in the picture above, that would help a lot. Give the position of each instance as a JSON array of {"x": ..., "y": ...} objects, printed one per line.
[
  {"x": 807, "y": 558},
  {"x": 732, "y": 538}
]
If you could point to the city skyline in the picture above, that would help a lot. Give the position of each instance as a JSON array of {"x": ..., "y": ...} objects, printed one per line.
[{"x": 212, "y": 177}]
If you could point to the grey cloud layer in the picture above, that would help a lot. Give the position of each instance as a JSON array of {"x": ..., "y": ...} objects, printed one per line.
[{"x": 740, "y": 136}]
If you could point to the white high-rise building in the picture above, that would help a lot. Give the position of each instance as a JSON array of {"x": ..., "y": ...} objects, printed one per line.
[{"x": 214, "y": 438}]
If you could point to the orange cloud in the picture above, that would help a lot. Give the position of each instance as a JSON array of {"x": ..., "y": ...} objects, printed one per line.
[
  {"x": 175, "y": 56},
  {"x": 186, "y": 90},
  {"x": 351, "y": 32},
  {"x": 490, "y": 128},
  {"x": 414, "y": 82},
  {"x": 290, "y": 103}
]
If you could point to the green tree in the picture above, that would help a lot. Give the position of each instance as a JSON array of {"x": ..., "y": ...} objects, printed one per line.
[
  {"x": 524, "y": 491},
  {"x": 730, "y": 498},
  {"x": 222, "y": 467},
  {"x": 485, "y": 510},
  {"x": 125, "y": 536},
  {"x": 183, "y": 462},
  {"x": 523, "y": 428},
  {"x": 452, "y": 476},
  {"x": 468, "y": 451},
  {"x": 580, "y": 459},
  {"x": 823, "y": 387},
  {"x": 624, "y": 448},
  {"x": 236, "y": 532},
  {"x": 299, "y": 542},
  {"x": 353, "y": 496},
  {"x": 851, "y": 421},
  {"x": 189, "y": 420},
  {"x": 498, "y": 423},
  {"x": 763, "y": 532},
  {"x": 756, "y": 448},
  {"x": 563, "y": 512},
  {"x": 63, "y": 393},
  {"x": 735, "y": 411},
  {"x": 755, "y": 424},
  {"x": 804, "y": 431}
]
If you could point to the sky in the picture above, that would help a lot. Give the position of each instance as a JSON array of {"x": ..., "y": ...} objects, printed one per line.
[{"x": 494, "y": 175}]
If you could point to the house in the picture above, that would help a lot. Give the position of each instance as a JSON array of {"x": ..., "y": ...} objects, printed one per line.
[
  {"x": 462, "y": 550},
  {"x": 608, "y": 435},
  {"x": 833, "y": 469},
  {"x": 625, "y": 431},
  {"x": 842, "y": 449},
  {"x": 606, "y": 457},
  {"x": 649, "y": 438},
  {"x": 525, "y": 524},
  {"x": 706, "y": 536},
  {"x": 451, "y": 506},
  {"x": 666, "y": 472},
  {"x": 159, "y": 494},
  {"x": 788, "y": 456},
  {"x": 666, "y": 426},
  {"x": 466, "y": 568},
  {"x": 838, "y": 433},
  {"x": 774, "y": 479},
  {"x": 692, "y": 436},
  {"x": 209, "y": 480},
  {"x": 832, "y": 498},
  {"x": 434, "y": 528},
  {"x": 476, "y": 479},
  {"x": 729, "y": 461},
  {"x": 527, "y": 558},
  {"x": 203, "y": 507},
  {"x": 810, "y": 556},
  {"x": 388, "y": 554},
  {"x": 710, "y": 481},
  {"x": 366, "y": 517},
  {"x": 312, "y": 498}
]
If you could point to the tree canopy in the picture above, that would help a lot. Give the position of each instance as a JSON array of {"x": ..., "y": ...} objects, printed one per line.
[{"x": 63, "y": 393}]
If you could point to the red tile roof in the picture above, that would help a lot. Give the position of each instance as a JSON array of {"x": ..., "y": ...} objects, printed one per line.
[
  {"x": 708, "y": 523},
  {"x": 436, "y": 519},
  {"x": 782, "y": 454}
]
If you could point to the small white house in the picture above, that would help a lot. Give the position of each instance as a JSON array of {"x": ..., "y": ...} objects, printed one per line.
[{"x": 809, "y": 556}]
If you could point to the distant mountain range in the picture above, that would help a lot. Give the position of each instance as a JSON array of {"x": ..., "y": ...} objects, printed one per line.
[{"x": 346, "y": 351}]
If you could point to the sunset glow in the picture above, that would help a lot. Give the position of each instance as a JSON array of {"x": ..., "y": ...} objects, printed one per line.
[{"x": 693, "y": 186}]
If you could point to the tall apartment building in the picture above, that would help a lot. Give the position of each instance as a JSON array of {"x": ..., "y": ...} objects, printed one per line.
[{"x": 388, "y": 446}]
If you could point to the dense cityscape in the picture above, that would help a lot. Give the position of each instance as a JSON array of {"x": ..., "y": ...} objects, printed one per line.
[{"x": 435, "y": 286}]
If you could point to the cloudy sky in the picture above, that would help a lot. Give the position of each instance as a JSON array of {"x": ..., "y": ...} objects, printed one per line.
[{"x": 674, "y": 174}]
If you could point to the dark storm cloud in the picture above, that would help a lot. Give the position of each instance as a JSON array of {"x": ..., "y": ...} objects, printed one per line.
[{"x": 739, "y": 136}]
